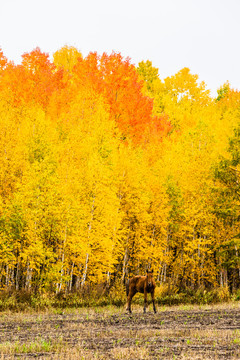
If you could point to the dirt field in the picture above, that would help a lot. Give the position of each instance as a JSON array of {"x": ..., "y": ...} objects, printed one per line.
[{"x": 184, "y": 332}]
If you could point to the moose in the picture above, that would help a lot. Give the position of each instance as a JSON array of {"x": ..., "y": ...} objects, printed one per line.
[{"x": 141, "y": 284}]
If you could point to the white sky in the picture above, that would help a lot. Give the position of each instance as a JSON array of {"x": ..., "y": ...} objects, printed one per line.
[{"x": 200, "y": 34}]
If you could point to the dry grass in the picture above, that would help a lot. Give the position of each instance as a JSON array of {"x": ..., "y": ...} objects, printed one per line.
[{"x": 179, "y": 332}]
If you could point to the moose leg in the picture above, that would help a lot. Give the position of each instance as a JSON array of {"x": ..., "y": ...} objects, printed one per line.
[
  {"x": 129, "y": 300},
  {"x": 145, "y": 301},
  {"x": 153, "y": 301}
]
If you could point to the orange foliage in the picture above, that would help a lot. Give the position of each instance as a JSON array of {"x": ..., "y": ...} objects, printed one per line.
[
  {"x": 117, "y": 81},
  {"x": 38, "y": 81},
  {"x": 3, "y": 60},
  {"x": 34, "y": 81},
  {"x": 43, "y": 76}
]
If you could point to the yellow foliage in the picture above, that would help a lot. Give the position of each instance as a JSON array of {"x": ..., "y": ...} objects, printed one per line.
[
  {"x": 81, "y": 202},
  {"x": 66, "y": 57}
]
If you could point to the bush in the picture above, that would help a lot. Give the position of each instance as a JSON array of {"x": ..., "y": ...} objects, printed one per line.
[
  {"x": 164, "y": 295},
  {"x": 216, "y": 295},
  {"x": 236, "y": 295},
  {"x": 168, "y": 296}
]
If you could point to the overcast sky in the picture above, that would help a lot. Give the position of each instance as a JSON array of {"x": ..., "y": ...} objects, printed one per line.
[{"x": 200, "y": 34}]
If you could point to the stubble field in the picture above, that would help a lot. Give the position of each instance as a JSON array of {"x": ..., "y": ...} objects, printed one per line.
[{"x": 183, "y": 332}]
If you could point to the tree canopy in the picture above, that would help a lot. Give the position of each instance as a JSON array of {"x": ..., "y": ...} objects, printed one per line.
[{"x": 105, "y": 168}]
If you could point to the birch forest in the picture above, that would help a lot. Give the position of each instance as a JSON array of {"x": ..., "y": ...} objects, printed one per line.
[{"x": 107, "y": 170}]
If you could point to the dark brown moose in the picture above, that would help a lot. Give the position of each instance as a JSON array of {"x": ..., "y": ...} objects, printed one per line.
[{"x": 141, "y": 284}]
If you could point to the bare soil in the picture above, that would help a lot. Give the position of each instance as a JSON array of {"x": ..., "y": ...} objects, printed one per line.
[{"x": 111, "y": 333}]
